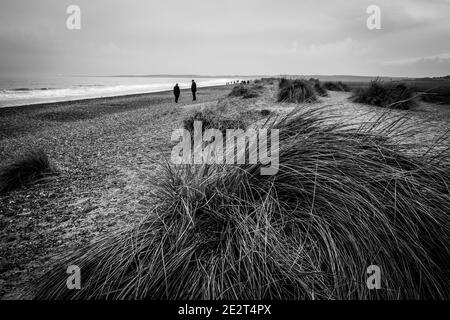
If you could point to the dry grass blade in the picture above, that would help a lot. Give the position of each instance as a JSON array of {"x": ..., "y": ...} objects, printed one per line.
[{"x": 343, "y": 199}]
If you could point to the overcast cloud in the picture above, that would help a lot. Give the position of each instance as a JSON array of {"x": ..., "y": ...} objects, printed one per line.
[{"x": 225, "y": 37}]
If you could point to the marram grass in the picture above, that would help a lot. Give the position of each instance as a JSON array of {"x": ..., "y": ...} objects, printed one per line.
[{"x": 344, "y": 198}]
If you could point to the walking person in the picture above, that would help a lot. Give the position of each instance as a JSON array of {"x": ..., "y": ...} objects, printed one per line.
[
  {"x": 194, "y": 90},
  {"x": 176, "y": 92}
]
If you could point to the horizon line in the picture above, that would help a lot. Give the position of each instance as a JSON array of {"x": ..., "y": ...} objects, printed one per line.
[{"x": 163, "y": 75}]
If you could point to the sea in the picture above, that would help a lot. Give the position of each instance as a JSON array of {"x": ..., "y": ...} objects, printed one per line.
[{"x": 26, "y": 90}]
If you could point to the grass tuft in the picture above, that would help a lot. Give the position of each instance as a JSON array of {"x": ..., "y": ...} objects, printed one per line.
[
  {"x": 295, "y": 91},
  {"x": 214, "y": 120},
  {"x": 386, "y": 94},
  {"x": 318, "y": 87},
  {"x": 336, "y": 86},
  {"x": 32, "y": 167},
  {"x": 246, "y": 91}
]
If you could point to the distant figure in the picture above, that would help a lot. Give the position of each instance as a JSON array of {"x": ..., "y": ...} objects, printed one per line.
[
  {"x": 194, "y": 90},
  {"x": 176, "y": 92}
]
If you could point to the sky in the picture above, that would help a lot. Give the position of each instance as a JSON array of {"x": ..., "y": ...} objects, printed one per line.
[{"x": 226, "y": 37}]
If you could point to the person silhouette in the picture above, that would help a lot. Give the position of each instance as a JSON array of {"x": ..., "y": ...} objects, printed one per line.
[
  {"x": 176, "y": 92},
  {"x": 194, "y": 90}
]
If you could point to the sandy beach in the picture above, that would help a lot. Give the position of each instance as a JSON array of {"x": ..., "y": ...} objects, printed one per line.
[{"x": 106, "y": 151}]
